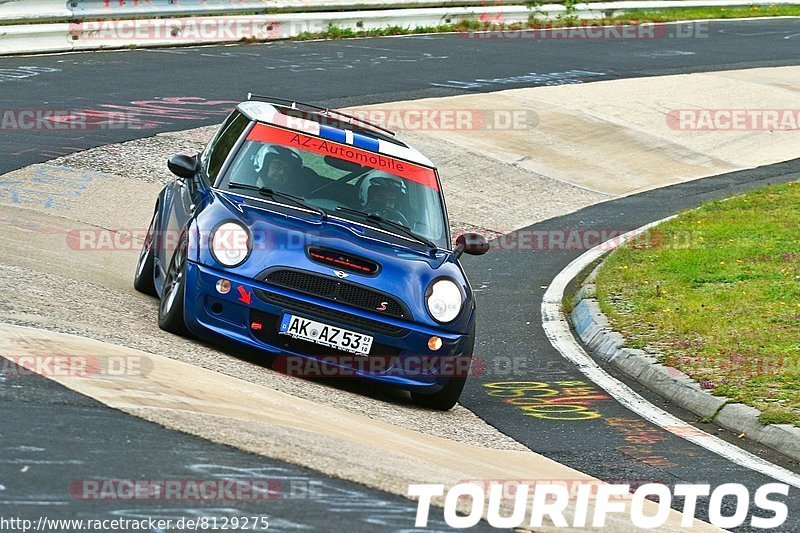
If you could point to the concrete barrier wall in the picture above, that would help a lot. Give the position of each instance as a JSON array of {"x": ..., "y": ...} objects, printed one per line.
[
  {"x": 66, "y": 10},
  {"x": 35, "y": 38},
  {"x": 108, "y": 29}
]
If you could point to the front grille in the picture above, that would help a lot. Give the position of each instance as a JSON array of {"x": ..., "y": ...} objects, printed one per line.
[
  {"x": 292, "y": 304},
  {"x": 336, "y": 290},
  {"x": 268, "y": 333}
]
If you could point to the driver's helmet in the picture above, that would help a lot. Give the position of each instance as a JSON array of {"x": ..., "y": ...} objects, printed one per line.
[
  {"x": 277, "y": 166},
  {"x": 385, "y": 192}
]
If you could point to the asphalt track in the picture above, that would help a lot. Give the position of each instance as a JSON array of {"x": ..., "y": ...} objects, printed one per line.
[
  {"x": 343, "y": 73},
  {"x": 614, "y": 445},
  {"x": 54, "y": 440}
]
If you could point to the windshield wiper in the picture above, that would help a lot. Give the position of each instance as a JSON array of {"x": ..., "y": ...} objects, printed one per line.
[
  {"x": 269, "y": 193},
  {"x": 392, "y": 224}
]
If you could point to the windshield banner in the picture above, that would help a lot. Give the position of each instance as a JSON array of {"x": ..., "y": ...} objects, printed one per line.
[{"x": 292, "y": 139}]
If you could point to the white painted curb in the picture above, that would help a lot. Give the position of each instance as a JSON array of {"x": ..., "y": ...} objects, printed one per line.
[{"x": 558, "y": 331}]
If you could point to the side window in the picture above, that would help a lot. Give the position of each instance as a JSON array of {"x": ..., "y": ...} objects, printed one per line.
[{"x": 218, "y": 149}]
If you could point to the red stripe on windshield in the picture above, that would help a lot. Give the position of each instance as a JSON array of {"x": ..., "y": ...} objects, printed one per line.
[{"x": 416, "y": 173}]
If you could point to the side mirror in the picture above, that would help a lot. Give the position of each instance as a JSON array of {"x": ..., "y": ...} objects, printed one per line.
[
  {"x": 182, "y": 166},
  {"x": 472, "y": 244}
]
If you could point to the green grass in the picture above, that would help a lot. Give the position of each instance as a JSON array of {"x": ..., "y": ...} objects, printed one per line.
[
  {"x": 698, "y": 13},
  {"x": 335, "y": 32},
  {"x": 716, "y": 293}
]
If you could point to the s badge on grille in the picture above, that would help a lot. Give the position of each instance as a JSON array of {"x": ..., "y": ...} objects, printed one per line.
[{"x": 340, "y": 274}]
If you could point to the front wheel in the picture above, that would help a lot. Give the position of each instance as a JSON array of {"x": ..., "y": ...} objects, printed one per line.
[
  {"x": 170, "y": 309},
  {"x": 143, "y": 279},
  {"x": 445, "y": 399}
]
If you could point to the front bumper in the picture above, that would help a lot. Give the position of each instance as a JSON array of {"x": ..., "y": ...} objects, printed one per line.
[{"x": 251, "y": 312}]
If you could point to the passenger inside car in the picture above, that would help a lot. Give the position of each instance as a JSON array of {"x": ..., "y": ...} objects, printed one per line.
[{"x": 386, "y": 197}]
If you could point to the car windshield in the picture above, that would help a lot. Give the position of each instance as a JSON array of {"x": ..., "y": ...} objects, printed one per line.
[{"x": 335, "y": 177}]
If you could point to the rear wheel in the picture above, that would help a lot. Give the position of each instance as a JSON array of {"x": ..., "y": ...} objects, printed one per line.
[
  {"x": 445, "y": 399},
  {"x": 170, "y": 310},
  {"x": 143, "y": 279}
]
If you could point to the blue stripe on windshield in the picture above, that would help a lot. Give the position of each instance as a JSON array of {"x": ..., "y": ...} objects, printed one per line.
[
  {"x": 332, "y": 134},
  {"x": 367, "y": 143}
]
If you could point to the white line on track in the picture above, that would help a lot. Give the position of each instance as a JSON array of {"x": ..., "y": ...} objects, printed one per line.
[{"x": 560, "y": 335}]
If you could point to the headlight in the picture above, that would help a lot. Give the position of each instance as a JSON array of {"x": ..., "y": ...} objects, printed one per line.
[
  {"x": 444, "y": 300},
  {"x": 230, "y": 244}
]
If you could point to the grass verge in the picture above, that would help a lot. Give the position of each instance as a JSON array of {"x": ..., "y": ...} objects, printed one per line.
[
  {"x": 568, "y": 19},
  {"x": 700, "y": 13},
  {"x": 716, "y": 293}
]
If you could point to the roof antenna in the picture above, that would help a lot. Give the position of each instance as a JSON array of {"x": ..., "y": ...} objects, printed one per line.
[{"x": 249, "y": 96}]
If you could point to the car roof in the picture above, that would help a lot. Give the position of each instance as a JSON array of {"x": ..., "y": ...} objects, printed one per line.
[{"x": 332, "y": 130}]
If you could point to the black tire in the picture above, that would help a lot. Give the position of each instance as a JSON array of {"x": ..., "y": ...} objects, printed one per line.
[
  {"x": 170, "y": 309},
  {"x": 143, "y": 277},
  {"x": 446, "y": 399}
]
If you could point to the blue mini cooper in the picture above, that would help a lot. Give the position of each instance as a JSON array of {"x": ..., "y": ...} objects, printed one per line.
[{"x": 318, "y": 238}]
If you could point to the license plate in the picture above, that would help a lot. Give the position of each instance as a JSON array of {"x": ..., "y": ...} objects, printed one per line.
[{"x": 325, "y": 335}]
